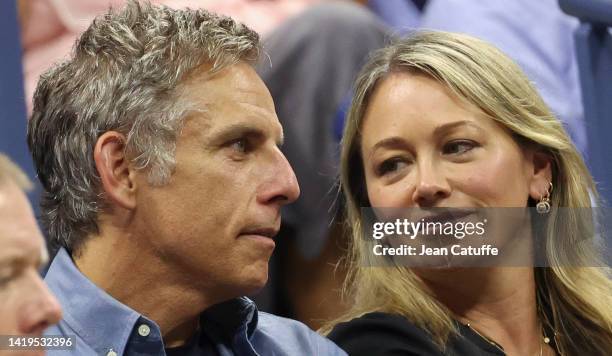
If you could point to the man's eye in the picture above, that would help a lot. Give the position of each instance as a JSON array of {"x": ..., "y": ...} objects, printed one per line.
[
  {"x": 458, "y": 147},
  {"x": 240, "y": 145},
  {"x": 390, "y": 166}
]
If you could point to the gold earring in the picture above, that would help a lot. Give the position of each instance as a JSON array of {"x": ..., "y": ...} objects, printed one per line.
[{"x": 543, "y": 206}]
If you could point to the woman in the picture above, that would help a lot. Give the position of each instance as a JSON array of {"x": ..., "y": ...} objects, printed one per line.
[{"x": 446, "y": 120}]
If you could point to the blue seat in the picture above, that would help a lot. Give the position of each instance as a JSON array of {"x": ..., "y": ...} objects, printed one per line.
[{"x": 594, "y": 52}]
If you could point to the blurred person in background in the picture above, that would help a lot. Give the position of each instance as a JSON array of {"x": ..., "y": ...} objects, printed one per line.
[
  {"x": 27, "y": 306},
  {"x": 537, "y": 35},
  {"x": 49, "y": 28}
]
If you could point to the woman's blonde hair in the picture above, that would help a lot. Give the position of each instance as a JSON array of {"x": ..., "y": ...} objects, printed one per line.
[{"x": 574, "y": 301}]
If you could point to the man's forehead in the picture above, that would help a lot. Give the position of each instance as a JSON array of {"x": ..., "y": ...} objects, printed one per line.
[
  {"x": 235, "y": 83},
  {"x": 235, "y": 97},
  {"x": 19, "y": 232},
  {"x": 243, "y": 112}
]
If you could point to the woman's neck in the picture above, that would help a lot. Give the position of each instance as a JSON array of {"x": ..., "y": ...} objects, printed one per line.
[{"x": 499, "y": 303}]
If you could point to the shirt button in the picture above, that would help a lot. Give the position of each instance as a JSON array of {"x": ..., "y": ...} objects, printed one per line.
[
  {"x": 144, "y": 330},
  {"x": 111, "y": 353}
]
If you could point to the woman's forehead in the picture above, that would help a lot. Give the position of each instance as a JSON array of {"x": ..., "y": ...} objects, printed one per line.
[{"x": 417, "y": 103}]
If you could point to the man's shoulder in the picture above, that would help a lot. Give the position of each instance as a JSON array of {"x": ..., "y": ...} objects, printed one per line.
[
  {"x": 294, "y": 337},
  {"x": 271, "y": 323}
]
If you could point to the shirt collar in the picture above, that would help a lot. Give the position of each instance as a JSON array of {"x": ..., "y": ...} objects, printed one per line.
[
  {"x": 96, "y": 317},
  {"x": 103, "y": 322},
  {"x": 228, "y": 317}
]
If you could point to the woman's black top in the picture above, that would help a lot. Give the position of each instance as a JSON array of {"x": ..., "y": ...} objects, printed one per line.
[{"x": 383, "y": 334}]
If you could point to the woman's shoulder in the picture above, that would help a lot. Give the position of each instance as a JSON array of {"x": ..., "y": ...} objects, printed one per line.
[{"x": 380, "y": 333}]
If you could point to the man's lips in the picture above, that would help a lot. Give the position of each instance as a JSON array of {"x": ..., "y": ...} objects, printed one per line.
[
  {"x": 263, "y": 232},
  {"x": 263, "y": 236}
]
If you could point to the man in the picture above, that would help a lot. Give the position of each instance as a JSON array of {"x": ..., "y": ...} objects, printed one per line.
[
  {"x": 157, "y": 146},
  {"x": 26, "y": 305}
]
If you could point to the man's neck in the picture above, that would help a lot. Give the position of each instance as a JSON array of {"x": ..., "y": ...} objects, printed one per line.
[
  {"x": 125, "y": 268},
  {"x": 499, "y": 303}
]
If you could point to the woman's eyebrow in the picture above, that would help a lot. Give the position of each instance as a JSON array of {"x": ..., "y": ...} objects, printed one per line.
[
  {"x": 394, "y": 142},
  {"x": 399, "y": 143},
  {"x": 444, "y": 128}
]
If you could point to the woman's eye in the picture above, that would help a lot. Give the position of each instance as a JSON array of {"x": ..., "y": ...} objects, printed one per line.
[
  {"x": 458, "y": 147},
  {"x": 390, "y": 166}
]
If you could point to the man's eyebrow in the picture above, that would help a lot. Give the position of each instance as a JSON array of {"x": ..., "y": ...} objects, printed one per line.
[{"x": 238, "y": 130}]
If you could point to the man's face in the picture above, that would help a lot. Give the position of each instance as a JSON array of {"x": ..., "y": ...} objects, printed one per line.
[
  {"x": 26, "y": 305},
  {"x": 215, "y": 218}
]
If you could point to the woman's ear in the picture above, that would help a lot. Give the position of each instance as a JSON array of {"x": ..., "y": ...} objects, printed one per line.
[
  {"x": 541, "y": 177},
  {"x": 116, "y": 174}
]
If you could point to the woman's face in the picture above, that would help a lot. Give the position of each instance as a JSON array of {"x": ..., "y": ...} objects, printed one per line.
[{"x": 423, "y": 148}]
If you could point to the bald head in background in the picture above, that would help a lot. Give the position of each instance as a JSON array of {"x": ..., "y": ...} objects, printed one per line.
[{"x": 27, "y": 307}]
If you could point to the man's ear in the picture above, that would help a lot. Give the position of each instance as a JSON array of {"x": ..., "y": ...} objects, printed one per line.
[
  {"x": 541, "y": 177},
  {"x": 116, "y": 174}
]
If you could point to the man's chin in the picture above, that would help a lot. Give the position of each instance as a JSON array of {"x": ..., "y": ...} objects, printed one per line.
[
  {"x": 249, "y": 282},
  {"x": 257, "y": 286},
  {"x": 256, "y": 282}
]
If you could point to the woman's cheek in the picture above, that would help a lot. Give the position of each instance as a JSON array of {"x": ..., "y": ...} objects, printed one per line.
[
  {"x": 497, "y": 184},
  {"x": 389, "y": 196}
]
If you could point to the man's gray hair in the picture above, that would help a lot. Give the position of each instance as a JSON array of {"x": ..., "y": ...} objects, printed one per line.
[
  {"x": 124, "y": 75},
  {"x": 9, "y": 171}
]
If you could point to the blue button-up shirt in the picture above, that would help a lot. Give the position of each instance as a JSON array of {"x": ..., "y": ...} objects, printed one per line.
[{"x": 104, "y": 326}]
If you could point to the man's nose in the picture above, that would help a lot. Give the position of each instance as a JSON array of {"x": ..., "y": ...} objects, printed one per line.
[
  {"x": 282, "y": 187},
  {"x": 431, "y": 185},
  {"x": 41, "y": 309}
]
